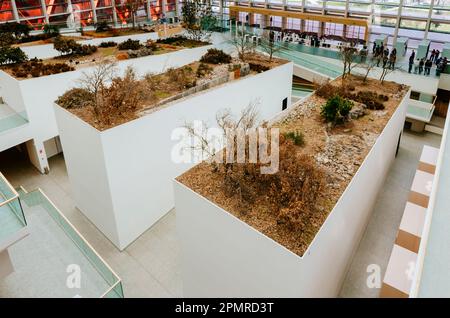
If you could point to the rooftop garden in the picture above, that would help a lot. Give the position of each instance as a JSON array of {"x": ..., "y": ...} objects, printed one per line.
[
  {"x": 105, "y": 105},
  {"x": 322, "y": 143},
  {"x": 74, "y": 55}
]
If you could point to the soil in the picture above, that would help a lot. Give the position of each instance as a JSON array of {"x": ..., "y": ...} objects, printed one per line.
[
  {"x": 339, "y": 150},
  {"x": 163, "y": 87}
]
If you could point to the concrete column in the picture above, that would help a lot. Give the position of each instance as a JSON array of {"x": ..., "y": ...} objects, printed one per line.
[
  {"x": 113, "y": 3},
  {"x": 149, "y": 11},
  {"x": 397, "y": 24},
  {"x": 94, "y": 12},
  {"x": 163, "y": 5},
  {"x": 37, "y": 155},
  {"x": 15, "y": 11},
  {"x": 44, "y": 11},
  {"x": 427, "y": 26}
]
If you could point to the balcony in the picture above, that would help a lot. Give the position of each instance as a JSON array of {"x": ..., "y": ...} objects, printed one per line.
[
  {"x": 54, "y": 260},
  {"x": 9, "y": 119}
]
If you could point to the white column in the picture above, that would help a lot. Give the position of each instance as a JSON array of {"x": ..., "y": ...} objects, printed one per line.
[
  {"x": 15, "y": 11},
  {"x": 44, "y": 11},
  {"x": 163, "y": 9},
  {"x": 148, "y": 8},
  {"x": 94, "y": 13},
  {"x": 397, "y": 24},
  {"x": 427, "y": 27},
  {"x": 37, "y": 155},
  {"x": 113, "y": 3}
]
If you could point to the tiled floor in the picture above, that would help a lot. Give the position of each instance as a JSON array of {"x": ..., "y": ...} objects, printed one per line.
[
  {"x": 378, "y": 240},
  {"x": 150, "y": 267}
]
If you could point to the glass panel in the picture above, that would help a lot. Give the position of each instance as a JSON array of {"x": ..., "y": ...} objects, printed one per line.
[
  {"x": 318, "y": 4},
  {"x": 6, "y": 13},
  {"x": 29, "y": 8},
  {"x": 36, "y": 197}
]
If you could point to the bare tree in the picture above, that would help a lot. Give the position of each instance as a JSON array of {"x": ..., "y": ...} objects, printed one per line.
[
  {"x": 133, "y": 7},
  {"x": 268, "y": 44},
  {"x": 95, "y": 82},
  {"x": 368, "y": 66},
  {"x": 242, "y": 45},
  {"x": 385, "y": 71},
  {"x": 348, "y": 55}
]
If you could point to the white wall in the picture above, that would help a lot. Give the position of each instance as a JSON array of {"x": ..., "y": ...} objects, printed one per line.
[
  {"x": 137, "y": 155},
  {"x": 46, "y": 51},
  {"x": 224, "y": 257},
  {"x": 83, "y": 154},
  {"x": 37, "y": 95},
  {"x": 444, "y": 81}
]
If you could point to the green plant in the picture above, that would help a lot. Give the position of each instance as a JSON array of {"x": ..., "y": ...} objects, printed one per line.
[
  {"x": 51, "y": 30},
  {"x": 215, "y": 56},
  {"x": 203, "y": 69},
  {"x": 336, "y": 109},
  {"x": 130, "y": 45},
  {"x": 71, "y": 47},
  {"x": 198, "y": 19},
  {"x": 297, "y": 137},
  {"x": 102, "y": 26},
  {"x": 12, "y": 55},
  {"x": 108, "y": 44}
]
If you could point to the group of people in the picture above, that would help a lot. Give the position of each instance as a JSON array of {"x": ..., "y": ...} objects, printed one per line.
[
  {"x": 425, "y": 64},
  {"x": 381, "y": 54}
]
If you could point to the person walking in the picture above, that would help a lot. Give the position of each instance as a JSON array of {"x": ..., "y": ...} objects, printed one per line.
[
  {"x": 436, "y": 55},
  {"x": 374, "y": 49},
  {"x": 392, "y": 59},
  {"x": 432, "y": 55},
  {"x": 413, "y": 54},
  {"x": 421, "y": 64},
  {"x": 428, "y": 65},
  {"x": 411, "y": 63}
]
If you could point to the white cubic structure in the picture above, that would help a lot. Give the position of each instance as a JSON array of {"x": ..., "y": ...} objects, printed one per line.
[{"x": 121, "y": 178}]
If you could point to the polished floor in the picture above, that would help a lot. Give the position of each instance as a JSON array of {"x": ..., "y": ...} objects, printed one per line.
[
  {"x": 378, "y": 240},
  {"x": 150, "y": 267}
]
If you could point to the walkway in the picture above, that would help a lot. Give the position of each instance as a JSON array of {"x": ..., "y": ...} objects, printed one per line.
[{"x": 378, "y": 239}]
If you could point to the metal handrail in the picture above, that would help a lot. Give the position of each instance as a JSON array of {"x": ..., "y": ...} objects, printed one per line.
[
  {"x": 86, "y": 242},
  {"x": 8, "y": 200}
]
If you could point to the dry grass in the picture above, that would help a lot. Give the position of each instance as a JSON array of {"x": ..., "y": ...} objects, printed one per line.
[{"x": 344, "y": 147}]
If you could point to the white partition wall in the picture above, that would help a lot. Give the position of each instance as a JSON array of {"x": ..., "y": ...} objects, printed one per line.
[
  {"x": 224, "y": 257},
  {"x": 34, "y": 97},
  {"x": 121, "y": 178}
]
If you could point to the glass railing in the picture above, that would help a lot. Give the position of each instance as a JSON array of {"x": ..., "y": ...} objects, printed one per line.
[
  {"x": 12, "y": 218},
  {"x": 115, "y": 290},
  {"x": 12, "y": 121}
]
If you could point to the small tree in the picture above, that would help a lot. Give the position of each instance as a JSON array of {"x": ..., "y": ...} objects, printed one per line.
[
  {"x": 95, "y": 82},
  {"x": 198, "y": 19},
  {"x": 348, "y": 57},
  {"x": 12, "y": 55},
  {"x": 243, "y": 47},
  {"x": 368, "y": 67},
  {"x": 268, "y": 44},
  {"x": 385, "y": 71},
  {"x": 51, "y": 30},
  {"x": 133, "y": 7}
]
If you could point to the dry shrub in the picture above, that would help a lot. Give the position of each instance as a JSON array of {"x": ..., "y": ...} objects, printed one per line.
[
  {"x": 292, "y": 192},
  {"x": 182, "y": 78},
  {"x": 75, "y": 98},
  {"x": 121, "y": 99},
  {"x": 122, "y": 56}
]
